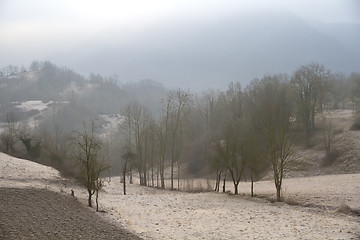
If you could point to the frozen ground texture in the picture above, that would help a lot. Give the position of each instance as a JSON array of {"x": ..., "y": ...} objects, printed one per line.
[
  {"x": 159, "y": 214},
  {"x": 30, "y": 210},
  {"x": 30, "y": 213}
]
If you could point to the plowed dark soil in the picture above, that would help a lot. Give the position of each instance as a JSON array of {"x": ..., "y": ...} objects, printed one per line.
[{"x": 41, "y": 214}]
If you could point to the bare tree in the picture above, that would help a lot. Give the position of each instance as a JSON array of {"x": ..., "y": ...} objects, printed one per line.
[
  {"x": 181, "y": 107},
  {"x": 328, "y": 137},
  {"x": 9, "y": 136},
  {"x": 128, "y": 157},
  {"x": 175, "y": 110},
  {"x": 234, "y": 161},
  {"x": 256, "y": 162},
  {"x": 162, "y": 136},
  {"x": 24, "y": 134},
  {"x": 230, "y": 145},
  {"x": 87, "y": 155},
  {"x": 216, "y": 162},
  {"x": 212, "y": 111},
  {"x": 58, "y": 132},
  {"x": 35, "y": 66},
  {"x": 151, "y": 150},
  {"x": 354, "y": 79},
  {"x": 310, "y": 84},
  {"x": 272, "y": 118},
  {"x": 137, "y": 120},
  {"x": 339, "y": 90}
]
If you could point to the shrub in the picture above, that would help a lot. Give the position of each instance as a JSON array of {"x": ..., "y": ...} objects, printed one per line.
[
  {"x": 330, "y": 158},
  {"x": 356, "y": 125}
]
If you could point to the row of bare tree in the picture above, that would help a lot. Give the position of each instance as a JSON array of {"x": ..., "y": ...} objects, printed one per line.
[
  {"x": 240, "y": 132},
  {"x": 237, "y": 132}
]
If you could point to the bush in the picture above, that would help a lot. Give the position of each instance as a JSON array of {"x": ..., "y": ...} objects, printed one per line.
[
  {"x": 356, "y": 125},
  {"x": 345, "y": 209},
  {"x": 330, "y": 158}
]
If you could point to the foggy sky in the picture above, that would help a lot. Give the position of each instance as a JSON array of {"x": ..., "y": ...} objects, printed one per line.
[{"x": 54, "y": 30}]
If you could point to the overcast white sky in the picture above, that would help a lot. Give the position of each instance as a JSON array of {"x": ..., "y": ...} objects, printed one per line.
[{"x": 36, "y": 29}]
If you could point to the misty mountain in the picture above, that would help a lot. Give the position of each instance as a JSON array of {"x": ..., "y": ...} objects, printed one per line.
[
  {"x": 347, "y": 34},
  {"x": 70, "y": 96},
  {"x": 203, "y": 55}
]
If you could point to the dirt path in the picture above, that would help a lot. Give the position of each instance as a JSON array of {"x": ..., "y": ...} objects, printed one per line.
[{"x": 28, "y": 213}]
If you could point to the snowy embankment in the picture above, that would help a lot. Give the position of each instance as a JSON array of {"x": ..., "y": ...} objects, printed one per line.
[{"x": 159, "y": 214}]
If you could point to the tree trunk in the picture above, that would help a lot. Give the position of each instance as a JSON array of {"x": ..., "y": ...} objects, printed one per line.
[
  {"x": 97, "y": 200},
  {"x": 278, "y": 193},
  {"x": 224, "y": 181},
  {"x": 89, "y": 199},
  {"x": 236, "y": 188},
  {"x": 124, "y": 182},
  {"x": 313, "y": 118},
  {"x": 252, "y": 185},
  {"x": 157, "y": 177},
  {"x": 152, "y": 176},
  {"x": 145, "y": 172},
  {"x": 308, "y": 137},
  {"x": 131, "y": 178},
  {"x": 178, "y": 176},
  {"x": 141, "y": 178},
  {"x": 218, "y": 180},
  {"x": 162, "y": 179},
  {"x": 172, "y": 174}
]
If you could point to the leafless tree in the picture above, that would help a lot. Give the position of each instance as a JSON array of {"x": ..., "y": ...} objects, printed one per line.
[
  {"x": 328, "y": 137},
  {"x": 87, "y": 147},
  {"x": 128, "y": 158},
  {"x": 354, "y": 79},
  {"x": 272, "y": 118},
  {"x": 180, "y": 109},
  {"x": 212, "y": 112},
  {"x": 310, "y": 83},
  {"x": 32, "y": 145},
  {"x": 151, "y": 151},
  {"x": 339, "y": 90},
  {"x": 176, "y": 108},
  {"x": 137, "y": 120},
  {"x": 10, "y": 135},
  {"x": 230, "y": 144}
]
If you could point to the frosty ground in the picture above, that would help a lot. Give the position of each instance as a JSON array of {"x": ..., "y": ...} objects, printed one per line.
[{"x": 161, "y": 214}]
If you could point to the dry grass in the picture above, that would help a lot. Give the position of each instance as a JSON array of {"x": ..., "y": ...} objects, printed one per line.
[
  {"x": 356, "y": 125},
  {"x": 197, "y": 186},
  {"x": 345, "y": 209},
  {"x": 291, "y": 202}
]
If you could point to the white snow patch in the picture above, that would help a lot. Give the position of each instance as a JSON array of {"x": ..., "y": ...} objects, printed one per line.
[
  {"x": 33, "y": 105},
  {"x": 73, "y": 88},
  {"x": 111, "y": 125}
]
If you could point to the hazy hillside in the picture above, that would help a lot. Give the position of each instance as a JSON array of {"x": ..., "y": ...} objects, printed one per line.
[
  {"x": 54, "y": 101},
  {"x": 49, "y": 83}
]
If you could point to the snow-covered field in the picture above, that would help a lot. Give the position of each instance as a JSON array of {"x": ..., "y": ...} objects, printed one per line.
[
  {"x": 33, "y": 105},
  {"x": 162, "y": 214}
]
